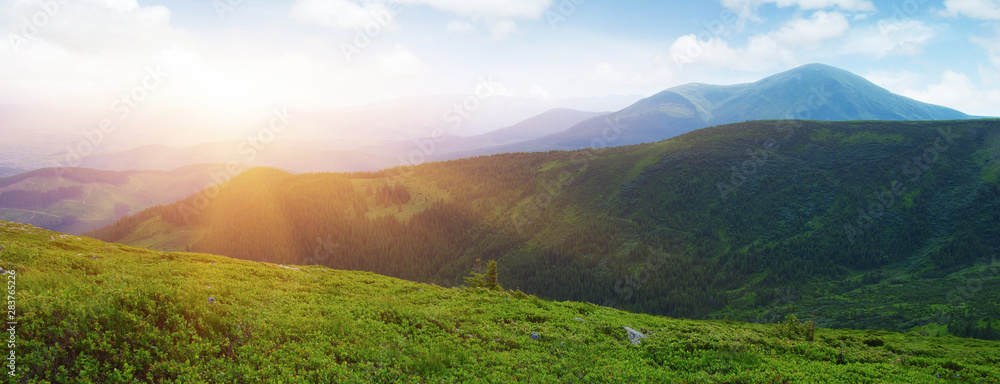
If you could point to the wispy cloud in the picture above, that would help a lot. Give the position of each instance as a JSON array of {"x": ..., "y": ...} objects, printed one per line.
[
  {"x": 976, "y": 9},
  {"x": 498, "y": 15}
]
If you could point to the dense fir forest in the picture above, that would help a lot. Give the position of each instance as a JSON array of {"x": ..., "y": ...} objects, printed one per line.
[{"x": 890, "y": 225}]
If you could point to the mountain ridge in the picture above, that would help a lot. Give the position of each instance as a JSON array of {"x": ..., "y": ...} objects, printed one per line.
[
  {"x": 77, "y": 200},
  {"x": 808, "y": 92}
]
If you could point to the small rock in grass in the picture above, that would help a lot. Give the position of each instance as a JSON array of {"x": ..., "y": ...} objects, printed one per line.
[{"x": 635, "y": 337}]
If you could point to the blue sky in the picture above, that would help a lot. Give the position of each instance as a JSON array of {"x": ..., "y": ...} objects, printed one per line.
[
  {"x": 229, "y": 59},
  {"x": 587, "y": 47}
]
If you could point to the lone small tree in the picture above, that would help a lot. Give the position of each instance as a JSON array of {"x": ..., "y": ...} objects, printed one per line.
[{"x": 486, "y": 280}]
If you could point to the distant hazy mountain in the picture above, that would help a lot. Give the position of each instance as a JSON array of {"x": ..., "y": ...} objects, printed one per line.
[
  {"x": 599, "y": 103},
  {"x": 76, "y": 200},
  {"x": 810, "y": 92},
  {"x": 415, "y": 117},
  {"x": 284, "y": 155},
  {"x": 297, "y": 156},
  {"x": 5, "y": 172},
  {"x": 550, "y": 122}
]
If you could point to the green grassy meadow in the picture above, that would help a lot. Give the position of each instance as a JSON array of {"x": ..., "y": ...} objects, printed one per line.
[{"x": 95, "y": 312}]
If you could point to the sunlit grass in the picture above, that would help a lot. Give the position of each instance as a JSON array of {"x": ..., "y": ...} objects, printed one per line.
[{"x": 97, "y": 312}]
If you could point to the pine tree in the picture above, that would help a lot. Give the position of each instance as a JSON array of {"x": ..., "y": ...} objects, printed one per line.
[
  {"x": 491, "y": 275},
  {"x": 486, "y": 280}
]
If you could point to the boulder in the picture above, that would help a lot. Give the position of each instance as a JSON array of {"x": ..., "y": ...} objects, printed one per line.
[{"x": 635, "y": 337}]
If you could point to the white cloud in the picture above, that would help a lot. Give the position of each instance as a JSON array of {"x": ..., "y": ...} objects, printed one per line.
[
  {"x": 118, "y": 27},
  {"x": 809, "y": 33},
  {"x": 894, "y": 80},
  {"x": 350, "y": 14},
  {"x": 954, "y": 90},
  {"x": 689, "y": 49},
  {"x": 990, "y": 73},
  {"x": 991, "y": 45},
  {"x": 762, "y": 51},
  {"x": 401, "y": 62},
  {"x": 459, "y": 26},
  {"x": 501, "y": 29},
  {"x": 341, "y": 14},
  {"x": 747, "y": 8},
  {"x": 81, "y": 48},
  {"x": 957, "y": 90},
  {"x": 91, "y": 52},
  {"x": 499, "y": 15},
  {"x": 539, "y": 92},
  {"x": 887, "y": 38},
  {"x": 976, "y": 9},
  {"x": 489, "y": 9},
  {"x": 120, "y": 6},
  {"x": 607, "y": 76},
  {"x": 847, "y": 5}
]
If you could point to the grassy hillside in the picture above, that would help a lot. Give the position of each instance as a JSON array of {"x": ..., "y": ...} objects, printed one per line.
[
  {"x": 886, "y": 225},
  {"x": 88, "y": 311},
  {"x": 77, "y": 200}
]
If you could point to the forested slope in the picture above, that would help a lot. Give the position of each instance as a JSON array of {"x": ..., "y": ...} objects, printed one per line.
[{"x": 865, "y": 224}]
